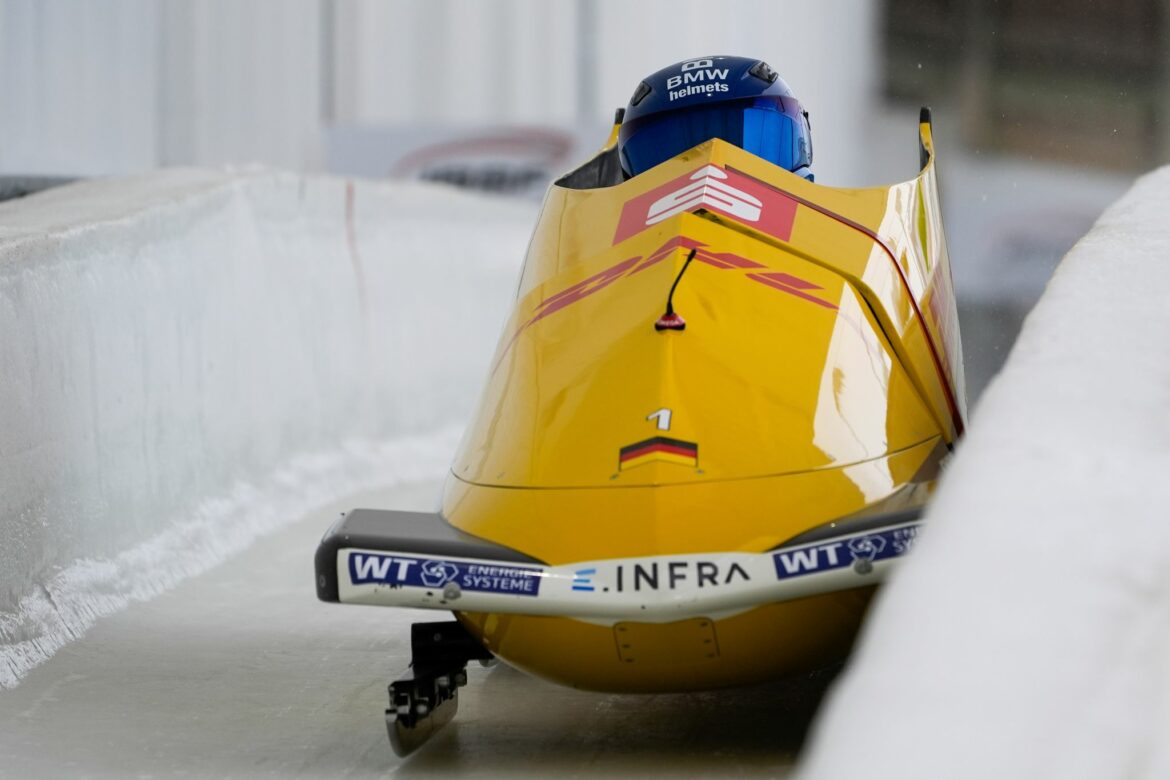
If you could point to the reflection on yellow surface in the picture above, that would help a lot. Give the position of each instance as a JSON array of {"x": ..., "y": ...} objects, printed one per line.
[{"x": 852, "y": 411}]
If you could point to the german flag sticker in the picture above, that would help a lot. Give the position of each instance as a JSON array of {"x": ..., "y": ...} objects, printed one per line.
[{"x": 684, "y": 453}]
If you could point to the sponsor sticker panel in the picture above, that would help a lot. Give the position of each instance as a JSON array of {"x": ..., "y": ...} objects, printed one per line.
[
  {"x": 857, "y": 552},
  {"x": 366, "y": 568},
  {"x": 632, "y": 585}
]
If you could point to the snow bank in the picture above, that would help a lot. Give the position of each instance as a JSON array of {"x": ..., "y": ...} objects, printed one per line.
[
  {"x": 1029, "y": 635},
  {"x": 191, "y": 358}
]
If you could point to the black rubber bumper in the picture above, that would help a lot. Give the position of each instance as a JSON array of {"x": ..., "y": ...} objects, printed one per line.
[{"x": 384, "y": 530}]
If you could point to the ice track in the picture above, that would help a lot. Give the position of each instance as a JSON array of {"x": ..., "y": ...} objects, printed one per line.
[
  {"x": 240, "y": 672},
  {"x": 191, "y": 358}
]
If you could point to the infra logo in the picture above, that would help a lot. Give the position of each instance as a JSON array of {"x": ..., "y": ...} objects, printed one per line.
[{"x": 583, "y": 579}]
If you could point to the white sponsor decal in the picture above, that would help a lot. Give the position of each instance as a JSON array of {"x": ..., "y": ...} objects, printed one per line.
[
  {"x": 707, "y": 189},
  {"x": 436, "y": 574},
  {"x": 662, "y": 416},
  {"x": 809, "y": 559},
  {"x": 859, "y": 552},
  {"x": 697, "y": 77},
  {"x": 399, "y": 571},
  {"x": 903, "y": 539},
  {"x": 378, "y": 567},
  {"x": 866, "y": 548}
]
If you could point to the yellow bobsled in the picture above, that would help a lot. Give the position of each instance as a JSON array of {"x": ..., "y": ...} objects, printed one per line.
[{"x": 711, "y": 422}]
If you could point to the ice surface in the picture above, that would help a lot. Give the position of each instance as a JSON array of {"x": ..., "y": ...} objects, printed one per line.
[
  {"x": 191, "y": 358},
  {"x": 241, "y": 673},
  {"x": 1029, "y": 634}
]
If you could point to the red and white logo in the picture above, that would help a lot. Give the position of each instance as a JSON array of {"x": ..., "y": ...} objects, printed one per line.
[
  {"x": 708, "y": 187},
  {"x": 727, "y": 192}
]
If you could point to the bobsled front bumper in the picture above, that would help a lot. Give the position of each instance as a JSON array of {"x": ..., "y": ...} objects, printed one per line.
[{"x": 411, "y": 559}]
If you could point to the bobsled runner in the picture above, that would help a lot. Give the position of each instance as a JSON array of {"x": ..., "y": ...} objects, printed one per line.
[{"x": 709, "y": 428}]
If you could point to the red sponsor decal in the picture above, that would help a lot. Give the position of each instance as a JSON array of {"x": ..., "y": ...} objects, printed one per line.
[
  {"x": 570, "y": 295},
  {"x": 582, "y": 289},
  {"x": 717, "y": 259},
  {"x": 791, "y": 285},
  {"x": 630, "y": 266},
  {"x": 721, "y": 190}
]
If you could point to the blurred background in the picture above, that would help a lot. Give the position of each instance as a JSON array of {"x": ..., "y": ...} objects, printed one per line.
[{"x": 1045, "y": 111}]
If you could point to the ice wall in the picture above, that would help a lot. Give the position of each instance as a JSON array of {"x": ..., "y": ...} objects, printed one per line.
[
  {"x": 1029, "y": 634},
  {"x": 189, "y": 359}
]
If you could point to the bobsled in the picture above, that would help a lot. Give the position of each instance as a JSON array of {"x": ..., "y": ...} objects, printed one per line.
[{"x": 720, "y": 403}]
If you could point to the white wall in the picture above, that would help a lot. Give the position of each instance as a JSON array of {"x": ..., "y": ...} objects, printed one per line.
[
  {"x": 77, "y": 87},
  {"x": 1028, "y": 635},
  {"x": 192, "y": 358},
  {"x": 238, "y": 82},
  {"x": 457, "y": 61},
  {"x": 128, "y": 85},
  {"x": 522, "y": 60}
]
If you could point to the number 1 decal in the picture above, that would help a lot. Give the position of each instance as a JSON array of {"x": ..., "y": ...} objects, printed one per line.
[{"x": 663, "y": 418}]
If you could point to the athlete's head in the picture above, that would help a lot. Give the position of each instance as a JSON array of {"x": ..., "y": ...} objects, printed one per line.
[{"x": 741, "y": 100}]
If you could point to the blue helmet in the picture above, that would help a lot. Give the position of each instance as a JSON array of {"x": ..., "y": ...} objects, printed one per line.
[{"x": 738, "y": 99}]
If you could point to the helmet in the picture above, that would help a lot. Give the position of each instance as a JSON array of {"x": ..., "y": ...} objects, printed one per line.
[{"x": 738, "y": 99}]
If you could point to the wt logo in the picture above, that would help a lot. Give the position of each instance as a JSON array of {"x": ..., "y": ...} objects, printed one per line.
[{"x": 859, "y": 552}]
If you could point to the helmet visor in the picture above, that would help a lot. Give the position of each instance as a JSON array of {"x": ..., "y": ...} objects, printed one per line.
[{"x": 770, "y": 127}]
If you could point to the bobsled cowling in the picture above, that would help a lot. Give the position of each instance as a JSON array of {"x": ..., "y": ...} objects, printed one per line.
[
  {"x": 819, "y": 372},
  {"x": 641, "y": 510}
]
